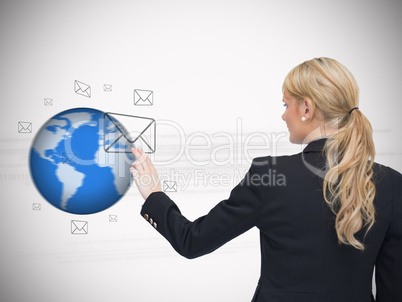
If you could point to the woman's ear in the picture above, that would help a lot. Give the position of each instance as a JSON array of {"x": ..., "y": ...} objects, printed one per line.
[{"x": 307, "y": 109}]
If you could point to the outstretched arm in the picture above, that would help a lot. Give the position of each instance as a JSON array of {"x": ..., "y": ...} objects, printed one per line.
[{"x": 228, "y": 219}]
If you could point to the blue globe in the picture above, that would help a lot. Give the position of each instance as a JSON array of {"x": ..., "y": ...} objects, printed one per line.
[{"x": 79, "y": 163}]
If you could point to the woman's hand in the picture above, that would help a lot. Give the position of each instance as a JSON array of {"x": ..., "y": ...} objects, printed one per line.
[{"x": 145, "y": 176}]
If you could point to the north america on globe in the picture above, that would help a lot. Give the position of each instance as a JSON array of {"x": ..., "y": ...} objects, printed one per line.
[{"x": 71, "y": 167}]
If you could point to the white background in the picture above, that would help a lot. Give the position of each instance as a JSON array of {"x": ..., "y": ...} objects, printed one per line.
[{"x": 210, "y": 64}]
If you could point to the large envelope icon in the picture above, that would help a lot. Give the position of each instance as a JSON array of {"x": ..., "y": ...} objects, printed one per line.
[
  {"x": 143, "y": 97},
  {"x": 121, "y": 132},
  {"x": 113, "y": 218},
  {"x": 36, "y": 206},
  {"x": 48, "y": 102},
  {"x": 79, "y": 227},
  {"x": 24, "y": 127},
  {"x": 82, "y": 89},
  {"x": 69, "y": 158},
  {"x": 169, "y": 186}
]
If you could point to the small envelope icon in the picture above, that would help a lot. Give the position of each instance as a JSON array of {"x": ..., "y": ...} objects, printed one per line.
[
  {"x": 169, "y": 186},
  {"x": 141, "y": 131},
  {"x": 112, "y": 218},
  {"x": 48, "y": 102},
  {"x": 107, "y": 87},
  {"x": 79, "y": 227},
  {"x": 36, "y": 206},
  {"x": 24, "y": 127},
  {"x": 82, "y": 89},
  {"x": 143, "y": 97},
  {"x": 69, "y": 158}
]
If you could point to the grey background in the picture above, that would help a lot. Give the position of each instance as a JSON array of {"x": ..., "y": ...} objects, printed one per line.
[{"x": 209, "y": 63}]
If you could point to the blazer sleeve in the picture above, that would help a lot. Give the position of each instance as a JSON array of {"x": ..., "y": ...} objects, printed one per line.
[
  {"x": 389, "y": 260},
  {"x": 228, "y": 219}
]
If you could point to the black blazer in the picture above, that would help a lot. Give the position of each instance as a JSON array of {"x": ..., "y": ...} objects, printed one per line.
[{"x": 301, "y": 259}]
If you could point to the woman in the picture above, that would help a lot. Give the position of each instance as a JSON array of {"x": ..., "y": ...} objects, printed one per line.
[{"x": 338, "y": 217}]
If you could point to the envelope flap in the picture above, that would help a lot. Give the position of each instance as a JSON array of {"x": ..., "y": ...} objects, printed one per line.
[
  {"x": 170, "y": 184},
  {"x": 69, "y": 156},
  {"x": 81, "y": 86},
  {"x": 80, "y": 225},
  {"x": 143, "y": 94},
  {"x": 136, "y": 124},
  {"x": 25, "y": 126}
]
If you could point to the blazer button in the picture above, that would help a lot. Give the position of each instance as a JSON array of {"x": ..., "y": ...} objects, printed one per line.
[
  {"x": 146, "y": 217},
  {"x": 151, "y": 221},
  {"x": 155, "y": 225}
]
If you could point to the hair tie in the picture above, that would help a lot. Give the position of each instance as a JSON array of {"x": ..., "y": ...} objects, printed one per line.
[{"x": 353, "y": 109}]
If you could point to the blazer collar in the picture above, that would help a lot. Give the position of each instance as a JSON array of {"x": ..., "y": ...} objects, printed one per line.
[{"x": 316, "y": 145}]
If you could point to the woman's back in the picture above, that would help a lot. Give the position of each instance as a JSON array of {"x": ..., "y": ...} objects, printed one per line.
[{"x": 302, "y": 259}]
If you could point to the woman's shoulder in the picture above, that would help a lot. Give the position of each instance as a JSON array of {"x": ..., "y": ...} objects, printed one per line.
[
  {"x": 270, "y": 160},
  {"x": 381, "y": 171},
  {"x": 388, "y": 182},
  {"x": 265, "y": 164}
]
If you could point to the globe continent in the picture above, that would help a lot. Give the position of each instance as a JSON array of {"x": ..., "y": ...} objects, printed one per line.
[{"x": 69, "y": 164}]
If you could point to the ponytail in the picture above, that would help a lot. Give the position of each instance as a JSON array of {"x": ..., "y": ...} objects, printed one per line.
[{"x": 348, "y": 188}]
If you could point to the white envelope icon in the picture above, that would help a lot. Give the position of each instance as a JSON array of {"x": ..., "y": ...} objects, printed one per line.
[
  {"x": 36, "y": 206},
  {"x": 82, "y": 89},
  {"x": 24, "y": 127},
  {"x": 48, "y": 102},
  {"x": 143, "y": 97},
  {"x": 122, "y": 131},
  {"x": 113, "y": 218},
  {"x": 69, "y": 158},
  {"x": 169, "y": 186},
  {"x": 107, "y": 87},
  {"x": 79, "y": 227}
]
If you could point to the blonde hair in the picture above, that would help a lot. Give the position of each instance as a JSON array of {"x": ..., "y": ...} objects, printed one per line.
[{"x": 347, "y": 187}]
